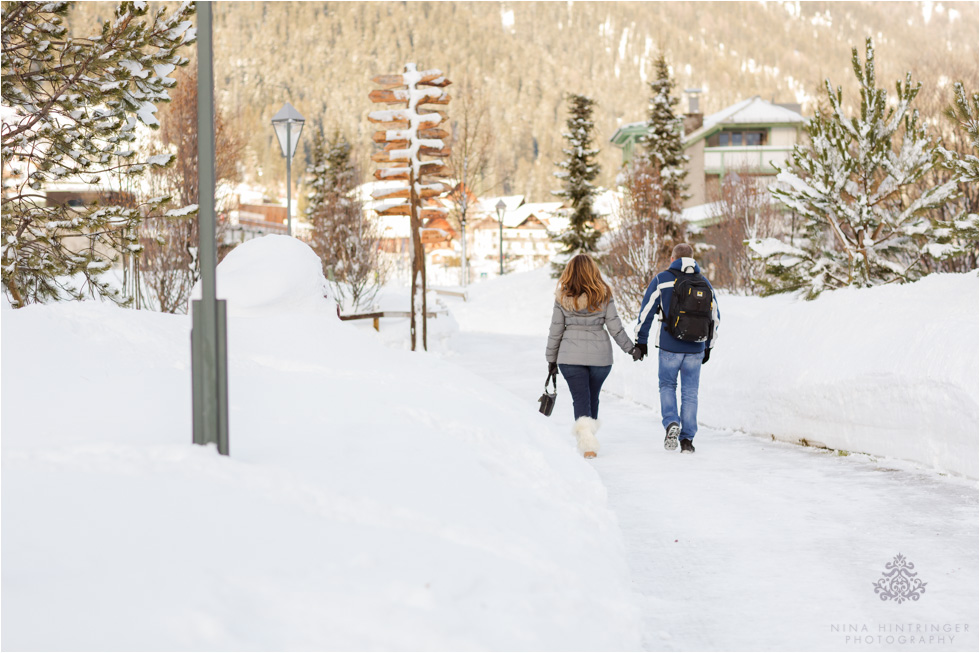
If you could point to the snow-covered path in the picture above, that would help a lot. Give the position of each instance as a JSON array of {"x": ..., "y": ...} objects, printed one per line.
[{"x": 751, "y": 544}]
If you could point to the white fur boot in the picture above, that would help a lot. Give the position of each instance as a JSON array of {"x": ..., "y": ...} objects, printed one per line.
[{"x": 584, "y": 430}]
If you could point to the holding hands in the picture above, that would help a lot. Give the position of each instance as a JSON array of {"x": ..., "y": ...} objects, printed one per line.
[{"x": 638, "y": 352}]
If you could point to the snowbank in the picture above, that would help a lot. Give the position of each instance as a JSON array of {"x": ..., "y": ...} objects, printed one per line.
[
  {"x": 270, "y": 275},
  {"x": 889, "y": 371},
  {"x": 374, "y": 498}
]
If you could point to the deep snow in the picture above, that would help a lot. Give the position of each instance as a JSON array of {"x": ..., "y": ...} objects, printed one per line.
[
  {"x": 377, "y": 498},
  {"x": 374, "y": 498}
]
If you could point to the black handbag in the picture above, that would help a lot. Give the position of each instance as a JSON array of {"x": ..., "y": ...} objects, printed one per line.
[{"x": 547, "y": 399}]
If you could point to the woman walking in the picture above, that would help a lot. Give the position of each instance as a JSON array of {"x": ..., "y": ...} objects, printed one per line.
[{"x": 579, "y": 346}]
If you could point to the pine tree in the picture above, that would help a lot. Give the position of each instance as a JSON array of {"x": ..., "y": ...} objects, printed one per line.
[
  {"x": 577, "y": 172},
  {"x": 664, "y": 141},
  {"x": 343, "y": 238},
  {"x": 958, "y": 238},
  {"x": 853, "y": 187},
  {"x": 76, "y": 104}
]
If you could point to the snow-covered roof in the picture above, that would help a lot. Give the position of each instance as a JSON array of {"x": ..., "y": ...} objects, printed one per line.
[
  {"x": 540, "y": 209},
  {"x": 489, "y": 204},
  {"x": 754, "y": 111}
]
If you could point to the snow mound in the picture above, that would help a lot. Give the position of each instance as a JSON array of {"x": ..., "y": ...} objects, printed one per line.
[{"x": 269, "y": 275}]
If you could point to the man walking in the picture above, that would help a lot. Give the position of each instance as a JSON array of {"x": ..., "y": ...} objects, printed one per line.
[{"x": 688, "y": 330}]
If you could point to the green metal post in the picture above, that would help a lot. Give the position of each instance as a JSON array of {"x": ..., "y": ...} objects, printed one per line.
[
  {"x": 501, "y": 247},
  {"x": 289, "y": 181},
  {"x": 209, "y": 367}
]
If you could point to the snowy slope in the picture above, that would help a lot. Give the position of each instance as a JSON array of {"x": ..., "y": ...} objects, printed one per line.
[
  {"x": 890, "y": 371},
  {"x": 374, "y": 498}
]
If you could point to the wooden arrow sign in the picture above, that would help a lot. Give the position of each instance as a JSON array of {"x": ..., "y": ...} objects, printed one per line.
[
  {"x": 390, "y": 135},
  {"x": 404, "y": 193},
  {"x": 402, "y": 95},
  {"x": 401, "y": 209},
  {"x": 433, "y": 168},
  {"x": 428, "y": 214},
  {"x": 385, "y": 157},
  {"x": 434, "y": 133},
  {"x": 392, "y": 174},
  {"x": 389, "y": 125},
  {"x": 433, "y": 151},
  {"x": 428, "y": 78},
  {"x": 410, "y": 133},
  {"x": 401, "y": 118}
]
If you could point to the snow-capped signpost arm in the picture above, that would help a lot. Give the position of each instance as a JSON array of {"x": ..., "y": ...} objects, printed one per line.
[
  {"x": 407, "y": 135},
  {"x": 209, "y": 360}
]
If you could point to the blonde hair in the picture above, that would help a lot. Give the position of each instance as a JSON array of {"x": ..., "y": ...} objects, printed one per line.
[{"x": 582, "y": 277}]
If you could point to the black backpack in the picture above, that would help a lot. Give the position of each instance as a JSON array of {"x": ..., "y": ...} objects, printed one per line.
[{"x": 689, "y": 315}]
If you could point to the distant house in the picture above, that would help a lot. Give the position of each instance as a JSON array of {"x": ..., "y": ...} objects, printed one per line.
[
  {"x": 524, "y": 235},
  {"x": 749, "y": 136}
]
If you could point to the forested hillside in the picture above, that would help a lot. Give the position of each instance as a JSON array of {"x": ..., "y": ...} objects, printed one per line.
[{"x": 523, "y": 57}]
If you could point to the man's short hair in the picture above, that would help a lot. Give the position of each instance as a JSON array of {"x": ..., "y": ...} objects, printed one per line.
[{"x": 681, "y": 250}]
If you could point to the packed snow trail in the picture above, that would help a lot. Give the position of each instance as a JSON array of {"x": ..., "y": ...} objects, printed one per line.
[{"x": 752, "y": 544}]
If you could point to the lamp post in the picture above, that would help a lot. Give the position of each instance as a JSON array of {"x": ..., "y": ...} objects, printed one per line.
[
  {"x": 500, "y": 218},
  {"x": 283, "y": 122}
]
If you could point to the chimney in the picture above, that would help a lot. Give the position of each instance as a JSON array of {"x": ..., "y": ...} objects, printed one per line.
[{"x": 693, "y": 119}]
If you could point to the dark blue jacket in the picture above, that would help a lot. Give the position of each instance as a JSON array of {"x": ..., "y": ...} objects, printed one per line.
[{"x": 657, "y": 297}]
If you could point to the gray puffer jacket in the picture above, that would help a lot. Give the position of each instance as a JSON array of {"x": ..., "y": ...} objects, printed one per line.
[{"x": 578, "y": 337}]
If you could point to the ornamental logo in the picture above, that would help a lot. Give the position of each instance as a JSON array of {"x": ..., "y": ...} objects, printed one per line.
[{"x": 899, "y": 583}]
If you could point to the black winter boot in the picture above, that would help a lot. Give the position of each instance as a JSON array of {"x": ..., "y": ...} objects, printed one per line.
[
  {"x": 687, "y": 446},
  {"x": 670, "y": 441}
]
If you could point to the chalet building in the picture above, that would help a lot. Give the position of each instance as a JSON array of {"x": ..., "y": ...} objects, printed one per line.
[
  {"x": 747, "y": 137},
  {"x": 525, "y": 237}
]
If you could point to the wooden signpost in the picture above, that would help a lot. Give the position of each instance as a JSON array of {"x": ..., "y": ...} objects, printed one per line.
[{"x": 414, "y": 146}]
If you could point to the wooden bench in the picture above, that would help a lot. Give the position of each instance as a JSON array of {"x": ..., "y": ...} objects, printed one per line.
[{"x": 377, "y": 315}]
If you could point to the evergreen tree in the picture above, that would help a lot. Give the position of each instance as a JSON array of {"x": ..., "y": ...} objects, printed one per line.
[
  {"x": 958, "y": 238},
  {"x": 853, "y": 187},
  {"x": 577, "y": 172},
  {"x": 76, "y": 103},
  {"x": 664, "y": 141},
  {"x": 343, "y": 238}
]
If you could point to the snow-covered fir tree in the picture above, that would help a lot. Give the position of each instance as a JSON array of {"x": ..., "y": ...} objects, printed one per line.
[
  {"x": 958, "y": 238},
  {"x": 853, "y": 187},
  {"x": 74, "y": 107},
  {"x": 663, "y": 144},
  {"x": 345, "y": 240},
  {"x": 577, "y": 172}
]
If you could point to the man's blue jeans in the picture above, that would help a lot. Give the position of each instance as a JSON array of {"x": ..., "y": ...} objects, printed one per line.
[
  {"x": 689, "y": 367},
  {"x": 584, "y": 382}
]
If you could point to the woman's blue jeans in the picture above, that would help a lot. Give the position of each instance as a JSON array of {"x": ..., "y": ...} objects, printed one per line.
[
  {"x": 584, "y": 382},
  {"x": 689, "y": 368}
]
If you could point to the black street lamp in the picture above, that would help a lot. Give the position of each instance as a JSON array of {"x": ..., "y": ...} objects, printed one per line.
[
  {"x": 501, "y": 207},
  {"x": 284, "y": 122}
]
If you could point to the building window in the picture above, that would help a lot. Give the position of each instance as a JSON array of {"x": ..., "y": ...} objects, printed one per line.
[{"x": 738, "y": 138}]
